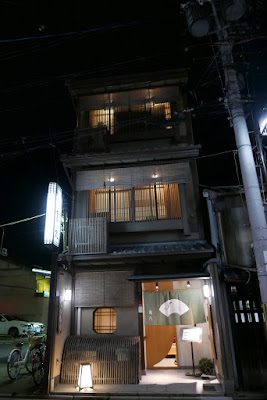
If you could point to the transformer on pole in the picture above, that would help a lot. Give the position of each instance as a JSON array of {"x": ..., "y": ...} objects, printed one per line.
[{"x": 232, "y": 10}]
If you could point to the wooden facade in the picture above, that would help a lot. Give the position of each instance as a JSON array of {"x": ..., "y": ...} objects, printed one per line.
[
  {"x": 88, "y": 236},
  {"x": 114, "y": 360},
  {"x": 136, "y": 211}
]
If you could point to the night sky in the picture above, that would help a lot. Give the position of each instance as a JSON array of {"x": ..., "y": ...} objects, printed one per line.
[{"x": 71, "y": 39}]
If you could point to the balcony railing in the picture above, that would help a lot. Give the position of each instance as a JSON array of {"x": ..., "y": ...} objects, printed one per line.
[
  {"x": 91, "y": 140},
  {"x": 88, "y": 235}
]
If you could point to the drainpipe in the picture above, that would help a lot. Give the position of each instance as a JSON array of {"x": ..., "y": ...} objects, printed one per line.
[{"x": 212, "y": 219}]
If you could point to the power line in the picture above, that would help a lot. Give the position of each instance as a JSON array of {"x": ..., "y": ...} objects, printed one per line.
[
  {"x": 22, "y": 220},
  {"x": 65, "y": 34},
  {"x": 76, "y": 74}
]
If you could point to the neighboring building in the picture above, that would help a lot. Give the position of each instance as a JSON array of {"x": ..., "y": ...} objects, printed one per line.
[
  {"x": 23, "y": 292},
  {"x": 231, "y": 235},
  {"x": 136, "y": 238}
]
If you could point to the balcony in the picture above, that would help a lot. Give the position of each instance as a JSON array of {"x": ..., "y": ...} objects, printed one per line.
[
  {"x": 117, "y": 214},
  {"x": 88, "y": 235},
  {"x": 91, "y": 140}
]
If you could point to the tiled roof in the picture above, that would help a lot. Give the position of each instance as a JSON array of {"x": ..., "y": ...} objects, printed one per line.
[{"x": 190, "y": 246}]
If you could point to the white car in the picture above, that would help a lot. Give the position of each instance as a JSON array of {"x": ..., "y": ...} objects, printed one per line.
[{"x": 15, "y": 326}]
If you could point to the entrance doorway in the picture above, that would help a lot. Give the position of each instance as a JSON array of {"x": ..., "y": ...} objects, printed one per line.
[
  {"x": 160, "y": 340},
  {"x": 163, "y": 347}
]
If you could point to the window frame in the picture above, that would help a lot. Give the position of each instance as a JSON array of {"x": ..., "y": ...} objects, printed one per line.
[
  {"x": 108, "y": 117},
  {"x": 157, "y": 195},
  {"x": 97, "y": 326}
]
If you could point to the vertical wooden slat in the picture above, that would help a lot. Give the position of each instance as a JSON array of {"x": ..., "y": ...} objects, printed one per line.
[
  {"x": 88, "y": 235},
  {"x": 114, "y": 360},
  {"x": 184, "y": 209}
]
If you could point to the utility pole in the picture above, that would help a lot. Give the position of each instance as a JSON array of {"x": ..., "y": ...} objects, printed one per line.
[{"x": 247, "y": 164}]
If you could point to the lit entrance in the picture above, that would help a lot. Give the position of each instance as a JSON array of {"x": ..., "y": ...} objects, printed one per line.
[{"x": 169, "y": 308}]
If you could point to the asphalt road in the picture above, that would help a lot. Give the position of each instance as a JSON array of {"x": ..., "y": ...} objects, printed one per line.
[{"x": 22, "y": 386}]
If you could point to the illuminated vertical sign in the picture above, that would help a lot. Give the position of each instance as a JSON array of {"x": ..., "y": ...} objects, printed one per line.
[{"x": 53, "y": 214}]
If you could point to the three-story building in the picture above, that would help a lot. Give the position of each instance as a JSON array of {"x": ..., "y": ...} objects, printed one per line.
[{"x": 137, "y": 252}]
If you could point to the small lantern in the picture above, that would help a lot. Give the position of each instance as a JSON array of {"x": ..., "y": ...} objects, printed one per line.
[{"x": 85, "y": 377}]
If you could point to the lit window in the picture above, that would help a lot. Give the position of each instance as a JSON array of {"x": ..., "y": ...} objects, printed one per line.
[
  {"x": 145, "y": 206},
  {"x": 103, "y": 117},
  {"x": 143, "y": 203},
  {"x": 105, "y": 320},
  {"x": 161, "y": 109},
  {"x": 131, "y": 118}
]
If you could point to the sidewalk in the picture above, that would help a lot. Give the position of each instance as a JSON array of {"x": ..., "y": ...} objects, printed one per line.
[{"x": 159, "y": 385}]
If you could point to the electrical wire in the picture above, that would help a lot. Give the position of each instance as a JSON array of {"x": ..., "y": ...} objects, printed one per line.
[
  {"x": 22, "y": 220},
  {"x": 19, "y": 85},
  {"x": 227, "y": 43},
  {"x": 65, "y": 34}
]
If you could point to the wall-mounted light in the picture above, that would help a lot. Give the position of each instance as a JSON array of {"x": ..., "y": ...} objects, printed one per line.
[
  {"x": 41, "y": 271},
  {"x": 206, "y": 291},
  {"x": 157, "y": 286},
  {"x": 85, "y": 377},
  {"x": 111, "y": 179},
  {"x": 67, "y": 295},
  {"x": 155, "y": 176},
  {"x": 188, "y": 284}
]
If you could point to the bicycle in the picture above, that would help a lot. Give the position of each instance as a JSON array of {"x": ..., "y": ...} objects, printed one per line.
[
  {"x": 38, "y": 360},
  {"x": 16, "y": 362}
]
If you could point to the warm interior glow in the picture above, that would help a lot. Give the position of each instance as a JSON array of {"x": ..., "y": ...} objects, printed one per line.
[
  {"x": 110, "y": 117},
  {"x": 85, "y": 377},
  {"x": 143, "y": 203},
  {"x": 103, "y": 117},
  {"x": 105, "y": 320}
]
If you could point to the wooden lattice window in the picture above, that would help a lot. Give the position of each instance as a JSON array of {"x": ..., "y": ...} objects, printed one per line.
[
  {"x": 105, "y": 320},
  {"x": 142, "y": 203}
]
